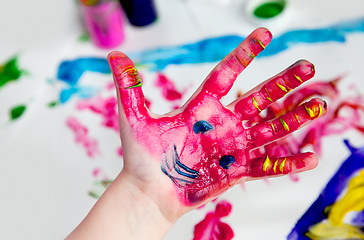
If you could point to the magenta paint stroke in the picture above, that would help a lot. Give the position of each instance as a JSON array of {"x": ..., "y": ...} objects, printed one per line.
[
  {"x": 211, "y": 227},
  {"x": 82, "y": 137},
  {"x": 104, "y": 23}
]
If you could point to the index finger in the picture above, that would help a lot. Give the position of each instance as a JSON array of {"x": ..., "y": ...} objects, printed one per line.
[{"x": 222, "y": 77}]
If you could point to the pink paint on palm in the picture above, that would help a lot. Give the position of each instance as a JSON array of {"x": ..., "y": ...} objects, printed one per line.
[
  {"x": 81, "y": 136},
  {"x": 204, "y": 147},
  {"x": 212, "y": 228},
  {"x": 104, "y": 23}
]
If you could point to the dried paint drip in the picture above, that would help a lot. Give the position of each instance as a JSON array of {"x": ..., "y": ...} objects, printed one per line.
[
  {"x": 325, "y": 218},
  {"x": 269, "y": 9},
  {"x": 17, "y": 112},
  {"x": 211, "y": 227},
  {"x": 9, "y": 71},
  {"x": 82, "y": 137},
  {"x": 215, "y": 49}
]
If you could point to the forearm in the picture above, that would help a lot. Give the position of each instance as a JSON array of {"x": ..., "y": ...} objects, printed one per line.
[{"x": 123, "y": 212}]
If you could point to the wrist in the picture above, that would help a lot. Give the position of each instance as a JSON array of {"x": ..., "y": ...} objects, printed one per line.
[
  {"x": 143, "y": 216},
  {"x": 123, "y": 212}
]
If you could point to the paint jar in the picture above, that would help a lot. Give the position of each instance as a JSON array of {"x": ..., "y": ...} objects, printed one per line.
[
  {"x": 104, "y": 22},
  {"x": 139, "y": 12},
  {"x": 266, "y": 12}
]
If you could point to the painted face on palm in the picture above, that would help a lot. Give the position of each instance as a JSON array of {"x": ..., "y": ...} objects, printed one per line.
[{"x": 204, "y": 147}]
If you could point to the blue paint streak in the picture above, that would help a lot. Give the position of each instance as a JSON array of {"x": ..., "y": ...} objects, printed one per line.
[
  {"x": 215, "y": 49},
  {"x": 204, "y": 51},
  {"x": 70, "y": 72},
  {"x": 328, "y": 196},
  {"x": 202, "y": 126}
]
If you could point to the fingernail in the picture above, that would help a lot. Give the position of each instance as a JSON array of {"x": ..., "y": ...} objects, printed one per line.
[
  {"x": 126, "y": 76},
  {"x": 315, "y": 109}
]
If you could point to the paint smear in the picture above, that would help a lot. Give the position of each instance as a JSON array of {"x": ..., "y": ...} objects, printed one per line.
[
  {"x": 105, "y": 107},
  {"x": 211, "y": 227},
  {"x": 70, "y": 72},
  {"x": 82, "y": 137},
  {"x": 9, "y": 71},
  {"x": 169, "y": 91},
  {"x": 17, "y": 111},
  {"x": 215, "y": 49},
  {"x": 317, "y": 222},
  {"x": 269, "y": 9}
]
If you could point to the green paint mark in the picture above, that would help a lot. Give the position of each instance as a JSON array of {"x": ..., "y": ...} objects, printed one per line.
[
  {"x": 99, "y": 188},
  {"x": 85, "y": 37},
  {"x": 17, "y": 111},
  {"x": 9, "y": 71},
  {"x": 53, "y": 104},
  {"x": 269, "y": 9}
]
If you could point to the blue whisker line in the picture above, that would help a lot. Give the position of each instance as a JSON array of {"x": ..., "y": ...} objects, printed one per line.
[
  {"x": 182, "y": 165},
  {"x": 183, "y": 173},
  {"x": 175, "y": 178}
]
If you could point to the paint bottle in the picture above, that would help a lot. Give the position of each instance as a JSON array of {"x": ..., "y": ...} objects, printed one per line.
[
  {"x": 266, "y": 12},
  {"x": 139, "y": 12},
  {"x": 104, "y": 22}
]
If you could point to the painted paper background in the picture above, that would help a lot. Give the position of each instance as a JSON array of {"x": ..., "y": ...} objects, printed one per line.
[{"x": 48, "y": 168}]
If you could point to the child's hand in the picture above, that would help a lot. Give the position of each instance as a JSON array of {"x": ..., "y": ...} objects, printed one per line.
[{"x": 191, "y": 155}]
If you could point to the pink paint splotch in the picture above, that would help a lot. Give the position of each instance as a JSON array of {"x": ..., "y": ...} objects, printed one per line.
[
  {"x": 169, "y": 90},
  {"x": 211, "y": 227},
  {"x": 82, "y": 137},
  {"x": 105, "y": 107}
]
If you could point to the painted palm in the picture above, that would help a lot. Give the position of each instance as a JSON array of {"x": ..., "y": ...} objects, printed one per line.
[{"x": 204, "y": 148}]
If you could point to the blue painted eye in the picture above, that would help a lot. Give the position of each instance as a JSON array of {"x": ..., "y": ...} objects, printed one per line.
[
  {"x": 226, "y": 161},
  {"x": 202, "y": 127}
]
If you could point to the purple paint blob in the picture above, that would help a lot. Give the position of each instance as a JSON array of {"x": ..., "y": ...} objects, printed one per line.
[{"x": 104, "y": 23}]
